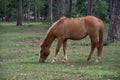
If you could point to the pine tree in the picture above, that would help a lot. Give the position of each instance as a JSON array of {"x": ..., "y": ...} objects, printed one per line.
[
  {"x": 61, "y": 8},
  {"x": 19, "y": 13},
  {"x": 90, "y": 7},
  {"x": 114, "y": 29}
]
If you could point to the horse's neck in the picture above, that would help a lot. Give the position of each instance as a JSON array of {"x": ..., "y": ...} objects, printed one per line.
[{"x": 49, "y": 39}]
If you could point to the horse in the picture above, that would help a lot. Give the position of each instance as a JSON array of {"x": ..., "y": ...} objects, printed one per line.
[{"x": 74, "y": 29}]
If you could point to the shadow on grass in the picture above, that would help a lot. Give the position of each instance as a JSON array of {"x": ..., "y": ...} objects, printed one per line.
[
  {"x": 77, "y": 66},
  {"x": 80, "y": 62},
  {"x": 35, "y": 62}
]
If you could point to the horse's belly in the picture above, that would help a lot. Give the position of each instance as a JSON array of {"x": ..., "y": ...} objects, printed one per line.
[{"x": 77, "y": 35}]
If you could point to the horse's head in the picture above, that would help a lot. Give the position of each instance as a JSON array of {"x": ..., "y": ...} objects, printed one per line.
[{"x": 44, "y": 52}]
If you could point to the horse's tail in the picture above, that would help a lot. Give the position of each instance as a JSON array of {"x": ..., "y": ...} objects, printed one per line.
[{"x": 101, "y": 32}]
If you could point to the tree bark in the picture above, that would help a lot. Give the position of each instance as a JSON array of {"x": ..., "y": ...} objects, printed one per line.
[
  {"x": 70, "y": 8},
  {"x": 114, "y": 28},
  {"x": 19, "y": 13},
  {"x": 50, "y": 10},
  {"x": 90, "y": 7},
  {"x": 35, "y": 13},
  {"x": 38, "y": 15},
  {"x": 5, "y": 15},
  {"x": 61, "y": 8},
  {"x": 28, "y": 11}
]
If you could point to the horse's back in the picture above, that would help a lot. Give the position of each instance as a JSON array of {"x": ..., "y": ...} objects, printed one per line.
[
  {"x": 70, "y": 28},
  {"x": 77, "y": 28}
]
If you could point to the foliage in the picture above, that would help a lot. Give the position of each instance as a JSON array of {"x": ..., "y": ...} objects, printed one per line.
[
  {"x": 10, "y": 10},
  {"x": 19, "y": 51},
  {"x": 79, "y": 8},
  {"x": 101, "y": 9}
]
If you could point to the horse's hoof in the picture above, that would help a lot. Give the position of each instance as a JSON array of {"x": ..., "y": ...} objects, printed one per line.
[
  {"x": 97, "y": 61},
  {"x": 53, "y": 61},
  {"x": 88, "y": 60},
  {"x": 64, "y": 60}
]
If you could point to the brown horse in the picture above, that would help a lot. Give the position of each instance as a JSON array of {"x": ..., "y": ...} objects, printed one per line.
[{"x": 75, "y": 29}]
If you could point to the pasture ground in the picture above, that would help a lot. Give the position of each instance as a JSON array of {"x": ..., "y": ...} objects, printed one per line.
[{"x": 19, "y": 51}]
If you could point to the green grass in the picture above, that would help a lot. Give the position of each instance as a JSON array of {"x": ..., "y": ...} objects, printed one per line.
[{"x": 19, "y": 51}]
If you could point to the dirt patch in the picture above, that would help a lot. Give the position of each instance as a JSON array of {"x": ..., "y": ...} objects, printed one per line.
[
  {"x": 29, "y": 40},
  {"x": 81, "y": 44},
  {"x": 37, "y": 29},
  {"x": 85, "y": 44}
]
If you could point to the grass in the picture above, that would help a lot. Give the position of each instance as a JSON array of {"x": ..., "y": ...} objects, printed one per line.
[{"x": 19, "y": 51}]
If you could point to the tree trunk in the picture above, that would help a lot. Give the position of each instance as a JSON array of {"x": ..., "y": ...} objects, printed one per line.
[
  {"x": 90, "y": 7},
  {"x": 28, "y": 13},
  {"x": 50, "y": 10},
  {"x": 38, "y": 15},
  {"x": 114, "y": 28},
  {"x": 70, "y": 8},
  {"x": 19, "y": 13},
  {"x": 61, "y": 8},
  {"x": 5, "y": 16},
  {"x": 35, "y": 13}
]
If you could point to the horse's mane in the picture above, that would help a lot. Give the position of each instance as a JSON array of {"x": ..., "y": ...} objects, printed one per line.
[{"x": 50, "y": 32}]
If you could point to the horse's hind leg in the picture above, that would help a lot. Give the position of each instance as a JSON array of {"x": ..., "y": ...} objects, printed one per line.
[
  {"x": 99, "y": 49},
  {"x": 94, "y": 43},
  {"x": 64, "y": 50},
  {"x": 60, "y": 41},
  {"x": 91, "y": 52}
]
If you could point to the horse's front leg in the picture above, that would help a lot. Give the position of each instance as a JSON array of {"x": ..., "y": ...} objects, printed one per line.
[
  {"x": 60, "y": 41},
  {"x": 64, "y": 50}
]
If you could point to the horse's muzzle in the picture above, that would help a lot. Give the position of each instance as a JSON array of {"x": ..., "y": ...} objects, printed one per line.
[{"x": 41, "y": 60}]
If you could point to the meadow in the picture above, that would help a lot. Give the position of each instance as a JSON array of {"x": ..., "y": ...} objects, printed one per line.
[{"x": 19, "y": 52}]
